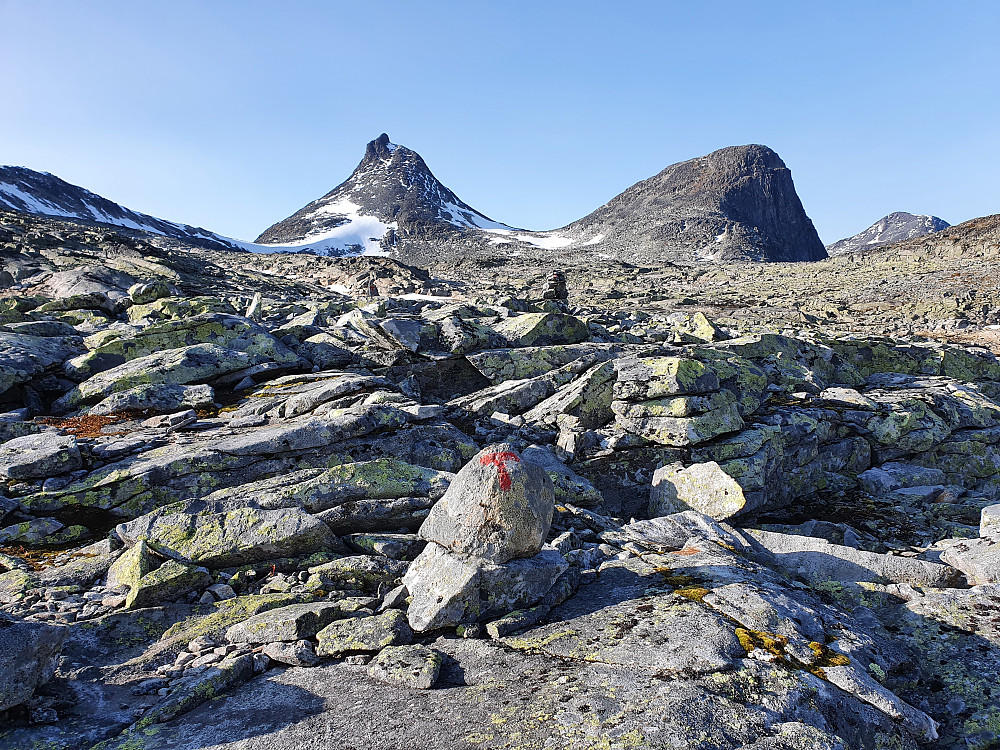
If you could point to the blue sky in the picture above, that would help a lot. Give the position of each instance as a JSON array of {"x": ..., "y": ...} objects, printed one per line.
[{"x": 232, "y": 115}]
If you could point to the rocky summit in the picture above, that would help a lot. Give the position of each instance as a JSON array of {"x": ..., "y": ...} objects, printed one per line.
[
  {"x": 735, "y": 203},
  {"x": 289, "y": 500},
  {"x": 390, "y": 199},
  {"x": 895, "y": 227}
]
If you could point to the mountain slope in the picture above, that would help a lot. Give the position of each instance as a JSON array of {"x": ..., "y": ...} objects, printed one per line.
[
  {"x": 977, "y": 238},
  {"x": 735, "y": 203},
  {"x": 895, "y": 227},
  {"x": 391, "y": 197},
  {"x": 44, "y": 194}
]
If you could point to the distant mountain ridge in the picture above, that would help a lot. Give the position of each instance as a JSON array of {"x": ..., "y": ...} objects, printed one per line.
[
  {"x": 895, "y": 227},
  {"x": 42, "y": 193},
  {"x": 737, "y": 203}
]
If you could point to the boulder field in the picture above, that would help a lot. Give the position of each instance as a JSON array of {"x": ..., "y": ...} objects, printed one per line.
[{"x": 486, "y": 522}]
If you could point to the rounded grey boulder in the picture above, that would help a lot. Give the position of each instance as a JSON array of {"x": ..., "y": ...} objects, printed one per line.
[{"x": 498, "y": 508}]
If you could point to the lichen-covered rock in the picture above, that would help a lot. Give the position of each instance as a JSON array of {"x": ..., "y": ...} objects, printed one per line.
[
  {"x": 413, "y": 666},
  {"x": 170, "y": 581},
  {"x": 499, "y": 365},
  {"x": 28, "y": 654},
  {"x": 223, "y": 538},
  {"x": 588, "y": 398},
  {"x": 158, "y": 398},
  {"x": 703, "y": 487},
  {"x": 542, "y": 329},
  {"x": 149, "y": 291},
  {"x": 84, "y": 301},
  {"x": 189, "y": 364},
  {"x": 130, "y": 566},
  {"x": 365, "y": 572},
  {"x": 44, "y": 454},
  {"x": 31, "y": 532},
  {"x": 364, "y": 634},
  {"x": 680, "y": 421},
  {"x": 291, "y": 623},
  {"x": 15, "y": 583},
  {"x": 655, "y": 377},
  {"x": 498, "y": 507}
]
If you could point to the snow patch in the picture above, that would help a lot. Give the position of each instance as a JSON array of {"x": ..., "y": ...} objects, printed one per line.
[
  {"x": 469, "y": 219},
  {"x": 547, "y": 242},
  {"x": 31, "y": 203},
  {"x": 358, "y": 230}
]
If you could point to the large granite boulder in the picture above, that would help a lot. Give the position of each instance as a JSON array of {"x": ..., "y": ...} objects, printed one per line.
[{"x": 498, "y": 507}]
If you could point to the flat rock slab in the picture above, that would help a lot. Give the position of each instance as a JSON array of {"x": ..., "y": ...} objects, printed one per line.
[
  {"x": 819, "y": 560},
  {"x": 37, "y": 456},
  {"x": 668, "y": 634},
  {"x": 489, "y": 697},
  {"x": 228, "y": 538}
]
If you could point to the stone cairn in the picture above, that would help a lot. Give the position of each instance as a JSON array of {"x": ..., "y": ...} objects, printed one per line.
[
  {"x": 556, "y": 286},
  {"x": 484, "y": 558}
]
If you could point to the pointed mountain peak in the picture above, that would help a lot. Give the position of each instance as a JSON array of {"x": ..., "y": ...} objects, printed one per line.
[
  {"x": 380, "y": 148},
  {"x": 390, "y": 197}
]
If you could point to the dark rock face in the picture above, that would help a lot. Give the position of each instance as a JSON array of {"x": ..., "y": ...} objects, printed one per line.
[
  {"x": 895, "y": 227},
  {"x": 45, "y": 194},
  {"x": 736, "y": 203},
  {"x": 390, "y": 197}
]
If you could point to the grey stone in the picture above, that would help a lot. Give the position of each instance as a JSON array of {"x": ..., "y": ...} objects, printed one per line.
[
  {"x": 225, "y": 538},
  {"x": 703, "y": 487},
  {"x": 979, "y": 559},
  {"x": 28, "y": 655},
  {"x": 366, "y": 634},
  {"x": 413, "y": 666},
  {"x": 498, "y": 507},
  {"x": 45, "y": 454},
  {"x": 298, "y": 654},
  {"x": 157, "y": 398}
]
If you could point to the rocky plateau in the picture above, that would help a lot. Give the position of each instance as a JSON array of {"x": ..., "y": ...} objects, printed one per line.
[{"x": 286, "y": 500}]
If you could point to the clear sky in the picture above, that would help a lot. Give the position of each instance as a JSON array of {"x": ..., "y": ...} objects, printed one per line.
[{"x": 232, "y": 114}]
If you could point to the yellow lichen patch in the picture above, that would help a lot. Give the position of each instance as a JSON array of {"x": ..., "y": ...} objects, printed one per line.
[
  {"x": 754, "y": 639},
  {"x": 694, "y": 593},
  {"x": 676, "y": 579}
]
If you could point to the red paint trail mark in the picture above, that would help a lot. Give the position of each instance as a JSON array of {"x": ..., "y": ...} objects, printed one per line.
[{"x": 500, "y": 461}]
